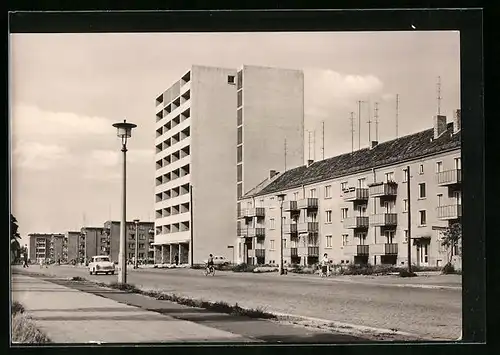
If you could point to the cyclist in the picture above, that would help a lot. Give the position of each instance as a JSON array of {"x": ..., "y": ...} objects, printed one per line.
[{"x": 210, "y": 263}]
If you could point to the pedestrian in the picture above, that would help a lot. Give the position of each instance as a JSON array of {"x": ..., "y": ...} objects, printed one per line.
[
  {"x": 176, "y": 259},
  {"x": 324, "y": 266},
  {"x": 25, "y": 258}
]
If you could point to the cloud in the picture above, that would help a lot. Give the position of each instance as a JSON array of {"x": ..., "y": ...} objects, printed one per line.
[
  {"x": 32, "y": 123},
  {"x": 38, "y": 156},
  {"x": 327, "y": 92}
]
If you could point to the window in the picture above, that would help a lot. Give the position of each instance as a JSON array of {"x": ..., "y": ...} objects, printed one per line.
[
  {"x": 283, "y": 220},
  {"x": 458, "y": 163},
  {"x": 362, "y": 183},
  {"x": 405, "y": 205},
  {"x": 406, "y": 236},
  {"x": 343, "y": 186},
  {"x": 261, "y": 202},
  {"x": 328, "y": 216},
  {"x": 240, "y": 80},
  {"x": 240, "y": 98},
  {"x": 141, "y": 245},
  {"x": 389, "y": 176},
  {"x": 239, "y": 115},
  {"x": 240, "y": 135},
  {"x": 239, "y": 190},
  {"x": 130, "y": 255},
  {"x": 343, "y": 213},
  {"x": 405, "y": 175},
  {"x": 295, "y": 196},
  {"x": 284, "y": 243},
  {"x": 230, "y": 79},
  {"x": 389, "y": 236},
  {"x": 439, "y": 166},
  {"x": 271, "y": 244},
  {"x": 328, "y": 191},
  {"x": 249, "y": 204},
  {"x": 345, "y": 239},
  {"x": 440, "y": 199},
  {"x": 272, "y": 223},
  {"x": 239, "y": 155},
  {"x": 239, "y": 173},
  {"x": 362, "y": 237},
  {"x": 328, "y": 241},
  {"x": 421, "y": 169},
  {"x": 312, "y": 193},
  {"x": 423, "y": 218},
  {"x": 421, "y": 190}
]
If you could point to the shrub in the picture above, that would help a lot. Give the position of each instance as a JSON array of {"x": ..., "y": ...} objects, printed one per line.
[
  {"x": 124, "y": 287},
  {"x": 448, "y": 269},
  {"x": 24, "y": 331},
  {"x": 405, "y": 273},
  {"x": 243, "y": 268},
  {"x": 16, "y": 308},
  {"x": 198, "y": 266},
  {"x": 77, "y": 278}
]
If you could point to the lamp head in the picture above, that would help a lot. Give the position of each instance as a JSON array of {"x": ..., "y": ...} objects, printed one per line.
[{"x": 124, "y": 130}]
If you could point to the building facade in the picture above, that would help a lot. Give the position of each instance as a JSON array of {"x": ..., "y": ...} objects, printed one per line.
[
  {"x": 203, "y": 146},
  {"x": 72, "y": 238},
  {"x": 354, "y": 207},
  {"x": 46, "y": 246},
  {"x": 110, "y": 243}
]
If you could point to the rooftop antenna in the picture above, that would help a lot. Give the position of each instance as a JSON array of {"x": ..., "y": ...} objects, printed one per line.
[
  {"x": 439, "y": 95},
  {"x": 323, "y": 143},
  {"x": 309, "y": 144},
  {"x": 314, "y": 145},
  {"x": 285, "y": 154},
  {"x": 369, "y": 124},
  {"x": 352, "y": 131},
  {"x": 359, "y": 123},
  {"x": 397, "y": 114},
  {"x": 376, "y": 121}
]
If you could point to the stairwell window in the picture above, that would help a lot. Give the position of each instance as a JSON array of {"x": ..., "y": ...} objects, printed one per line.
[
  {"x": 423, "y": 217},
  {"x": 271, "y": 244},
  {"x": 405, "y": 236},
  {"x": 345, "y": 239},
  {"x": 343, "y": 213},
  {"x": 328, "y": 241},
  {"x": 272, "y": 223},
  {"x": 421, "y": 190},
  {"x": 405, "y": 205},
  {"x": 421, "y": 169},
  {"x": 329, "y": 216},
  {"x": 405, "y": 175}
]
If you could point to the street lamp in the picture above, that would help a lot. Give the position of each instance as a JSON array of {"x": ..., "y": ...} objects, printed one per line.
[
  {"x": 124, "y": 131},
  {"x": 281, "y": 198},
  {"x": 136, "y": 254}
]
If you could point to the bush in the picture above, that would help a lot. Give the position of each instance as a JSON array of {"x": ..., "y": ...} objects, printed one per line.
[
  {"x": 243, "y": 268},
  {"x": 198, "y": 266},
  {"x": 25, "y": 332},
  {"x": 124, "y": 287},
  {"x": 77, "y": 278},
  {"x": 405, "y": 273},
  {"x": 448, "y": 269},
  {"x": 16, "y": 308}
]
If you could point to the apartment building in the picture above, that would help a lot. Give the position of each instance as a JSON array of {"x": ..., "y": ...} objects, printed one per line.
[
  {"x": 217, "y": 128},
  {"x": 46, "y": 246},
  {"x": 72, "y": 238},
  {"x": 110, "y": 241},
  {"x": 354, "y": 206}
]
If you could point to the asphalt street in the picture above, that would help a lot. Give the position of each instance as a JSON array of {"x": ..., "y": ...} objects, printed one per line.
[{"x": 430, "y": 313}]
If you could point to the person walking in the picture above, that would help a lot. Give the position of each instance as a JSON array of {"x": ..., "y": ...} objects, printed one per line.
[
  {"x": 324, "y": 266},
  {"x": 25, "y": 258}
]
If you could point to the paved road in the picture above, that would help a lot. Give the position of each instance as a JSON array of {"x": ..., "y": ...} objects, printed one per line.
[{"x": 432, "y": 313}]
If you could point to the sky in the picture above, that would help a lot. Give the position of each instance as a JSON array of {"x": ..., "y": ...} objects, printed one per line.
[{"x": 66, "y": 91}]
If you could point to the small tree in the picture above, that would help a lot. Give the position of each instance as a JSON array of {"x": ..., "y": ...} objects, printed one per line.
[
  {"x": 15, "y": 247},
  {"x": 452, "y": 237}
]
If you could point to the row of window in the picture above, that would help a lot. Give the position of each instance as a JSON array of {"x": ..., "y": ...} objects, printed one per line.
[
  {"x": 172, "y": 175},
  {"x": 173, "y": 210},
  {"x": 171, "y": 124},
  {"x": 176, "y": 138},
  {"x": 173, "y": 92},
  {"x": 173, "y": 192},
  {"x": 173, "y": 228},
  {"x": 172, "y": 158}
]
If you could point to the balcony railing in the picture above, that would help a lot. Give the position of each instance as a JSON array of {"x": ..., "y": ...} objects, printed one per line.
[
  {"x": 391, "y": 249},
  {"x": 290, "y": 228},
  {"x": 384, "y": 219},
  {"x": 241, "y": 213},
  {"x": 260, "y": 253},
  {"x": 307, "y": 227},
  {"x": 308, "y": 203},
  {"x": 256, "y": 232},
  {"x": 449, "y": 212},
  {"x": 293, "y": 252},
  {"x": 362, "y": 249},
  {"x": 308, "y": 251},
  {"x": 356, "y": 194},
  {"x": 289, "y": 206},
  {"x": 383, "y": 190},
  {"x": 356, "y": 222},
  {"x": 449, "y": 177},
  {"x": 255, "y": 212}
]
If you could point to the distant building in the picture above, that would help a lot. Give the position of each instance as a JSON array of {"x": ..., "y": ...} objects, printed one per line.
[
  {"x": 354, "y": 206},
  {"x": 72, "y": 238},
  {"x": 217, "y": 131},
  {"x": 46, "y": 246},
  {"x": 110, "y": 244}
]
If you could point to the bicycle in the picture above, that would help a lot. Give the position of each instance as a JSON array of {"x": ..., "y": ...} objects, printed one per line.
[{"x": 210, "y": 270}]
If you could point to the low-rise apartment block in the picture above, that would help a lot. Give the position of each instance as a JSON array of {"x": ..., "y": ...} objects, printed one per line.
[
  {"x": 110, "y": 241},
  {"x": 46, "y": 246},
  {"x": 354, "y": 206}
]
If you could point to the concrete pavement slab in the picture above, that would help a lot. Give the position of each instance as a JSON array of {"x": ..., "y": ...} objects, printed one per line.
[{"x": 67, "y": 315}]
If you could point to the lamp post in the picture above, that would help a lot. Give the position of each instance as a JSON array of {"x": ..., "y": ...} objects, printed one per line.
[
  {"x": 409, "y": 217},
  {"x": 136, "y": 253},
  {"x": 281, "y": 198},
  {"x": 124, "y": 131}
]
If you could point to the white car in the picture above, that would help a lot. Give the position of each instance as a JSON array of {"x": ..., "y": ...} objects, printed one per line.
[
  {"x": 102, "y": 264},
  {"x": 219, "y": 260}
]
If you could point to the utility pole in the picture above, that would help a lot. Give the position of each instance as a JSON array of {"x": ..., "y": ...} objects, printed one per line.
[
  {"x": 397, "y": 113},
  {"x": 408, "y": 179},
  {"x": 376, "y": 121},
  {"x": 352, "y": 131},
  {"x": 439, "y": 95}
]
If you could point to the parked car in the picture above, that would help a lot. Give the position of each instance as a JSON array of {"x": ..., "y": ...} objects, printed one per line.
[
  {"x": 219, "y": 261},
  {"x": 102, "y": 264}
]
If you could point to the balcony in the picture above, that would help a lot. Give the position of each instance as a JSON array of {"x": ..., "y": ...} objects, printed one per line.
[
  {"x": 449, "y": 177},
  {"x": 355, "y": 194},
  {"x": 383, "y": 189},
  {"x": 384, "y": 219},
  {"x": 307, "y": 203},
  {"x": 290, "y": 228},
  {"x": 260, "y": 253},
  {"x": 357, "y": 250},
  {"x": 293, "y": 252},
  {"x": 241, "y": 213},
  {"x": 256, "y": 232},
  {"x": 384, "y": 249},
  {"x": 449, "y": 212},
  {"x": 255, "y": 212},
  {"x": 356, "y": 222},
  {"x": 308, "y": 251},
  {"x": 308, "y": 227},
  {"x": 290, "y": 206}
]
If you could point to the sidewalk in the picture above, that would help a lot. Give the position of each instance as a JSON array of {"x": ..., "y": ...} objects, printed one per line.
[{"x": 67, "y": 315}]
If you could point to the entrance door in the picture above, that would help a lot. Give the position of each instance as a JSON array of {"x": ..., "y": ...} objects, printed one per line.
[{"x": 423, "y": 254}]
